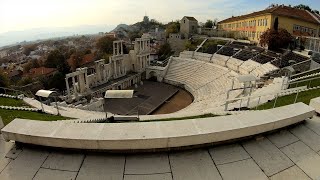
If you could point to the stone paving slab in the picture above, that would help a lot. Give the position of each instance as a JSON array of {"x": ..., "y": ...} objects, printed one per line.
[
  {"x": 305, "y": 158},
  {"x": 314, "y": 124},
  {"x": 191, "y": 165},
  {"x": 25, "y": 166},
  {"x": 267, "y": 156},
  {"x": 14, "y": 152},
  {"x": 106, "y": 167},
  {"x": 3, "y": 163},
  {"x": 292, "y": 173},
  {"x": 228, "y": 153},
  {"x": 309, "y": 137},
  {"x": 166, "y": 176},
  {"x": 147, "y": 164},
  {"x": 5, "y": 147},
  {"x": 282, "y": 138},
  {"x": 1, "y": 137},
  {"x": 245, "y": 169},
  {"x": 51, "y": 174},
  {"x": 64, "y": 161}
]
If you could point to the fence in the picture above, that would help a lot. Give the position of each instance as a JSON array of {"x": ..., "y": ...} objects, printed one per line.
[
  {"x": 271, "y": 100},
  {"x": 312, "y": 44}
]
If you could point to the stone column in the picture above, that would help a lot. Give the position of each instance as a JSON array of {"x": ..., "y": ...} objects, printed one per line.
[
  {"x": 74, "y": 87},
  {"x": 82, "y": 86},
  {"x": 121, "y": 48},
  {"x": 67, "y": 85},
  {"x": 115, "y": 69},
  {"x": 114, "y": 49},
  {"x": 87, "y": 80}
]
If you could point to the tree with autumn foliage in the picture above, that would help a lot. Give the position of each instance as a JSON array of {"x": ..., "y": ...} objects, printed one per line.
[{"x": 276, "y": 39}]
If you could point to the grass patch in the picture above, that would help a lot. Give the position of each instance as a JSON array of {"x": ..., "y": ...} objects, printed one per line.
[
  {"x": 313, "y": 83},
  {"x": 12, "y": 102},
  {"x": 9, "y": 115},
  {"x": 304, "y": 97}
]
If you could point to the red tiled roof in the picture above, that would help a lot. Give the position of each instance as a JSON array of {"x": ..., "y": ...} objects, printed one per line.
[
  {"x": 42, "y": 71},
  {"x": 280, "y": 11},
  {"x": 88, "y": 58}
]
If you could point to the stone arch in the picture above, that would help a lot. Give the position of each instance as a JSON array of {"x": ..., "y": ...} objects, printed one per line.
[{"x": 152, "y": 75}]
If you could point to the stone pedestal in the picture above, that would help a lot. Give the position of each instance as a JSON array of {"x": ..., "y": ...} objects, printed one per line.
[
  {"x": 315, "y": 103},
  {"x": 1, "y": 123}
]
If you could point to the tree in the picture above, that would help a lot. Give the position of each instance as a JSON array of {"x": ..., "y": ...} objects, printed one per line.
[
  {"x": 31, "y": 64},
  {"x": 54, "y": 82},
  {"x": 276, "y": 39},
  {"x": 165, "y": 51},
  {"x": 57, "y": 60},
  {"x": 134, "y": 34},
  {"x": 172, "y": 27},
  {"x": 27, "y": 49},
  {"x": 4, "y": 80},
  {"x": 209, "y": 24},
  {"x": 105, "y": 44}
]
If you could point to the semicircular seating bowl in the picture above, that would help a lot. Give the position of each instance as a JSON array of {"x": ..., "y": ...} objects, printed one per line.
[{"x": 207, "y": 81}]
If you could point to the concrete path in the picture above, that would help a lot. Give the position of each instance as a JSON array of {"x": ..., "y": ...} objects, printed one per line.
[{"x": 293, "y": 153}]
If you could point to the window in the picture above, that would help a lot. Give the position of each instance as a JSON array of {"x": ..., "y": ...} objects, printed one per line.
[
  {"x": 184, "y": 21},
  {"x": 266, "y": 22}
]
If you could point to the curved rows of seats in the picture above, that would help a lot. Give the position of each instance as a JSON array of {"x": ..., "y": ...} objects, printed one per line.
[
  {"x": 245, "y": 55},
  {"x": 289, "y": 58},
  {"x": 207, "y": 82},
  {"x": 165, "y": 135}
]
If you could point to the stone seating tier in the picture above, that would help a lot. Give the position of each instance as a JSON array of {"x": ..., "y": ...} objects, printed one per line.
[
  {"x": 227, "y": 51},
  {"x": 162, "y": 135},
  {"x": 244, "y": 55},
  {"x": 263, "y": 58}
]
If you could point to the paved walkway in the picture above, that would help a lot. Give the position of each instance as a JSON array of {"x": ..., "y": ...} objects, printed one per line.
[{"x": 289, "y": 154}]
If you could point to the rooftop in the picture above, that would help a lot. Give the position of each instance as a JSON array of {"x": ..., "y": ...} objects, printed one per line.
[
  {"x": 191, "y": 18},
  {"x": 280, "y": 11}
]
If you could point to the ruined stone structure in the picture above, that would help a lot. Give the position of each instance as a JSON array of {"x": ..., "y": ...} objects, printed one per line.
[{"x": 122, "y": 71}]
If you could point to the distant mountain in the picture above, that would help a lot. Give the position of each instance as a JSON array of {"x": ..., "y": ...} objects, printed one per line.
[
  {"x": 121, "y": 27},
  {"x": 13, "y": 37}
]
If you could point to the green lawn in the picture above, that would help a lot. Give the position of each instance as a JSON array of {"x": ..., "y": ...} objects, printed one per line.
[
  {"x": 304, "y": 97},
  {"x": 313, "y": 83},
  {"x": 11, "y": 102},
  {"x": 9, "y": 115}
]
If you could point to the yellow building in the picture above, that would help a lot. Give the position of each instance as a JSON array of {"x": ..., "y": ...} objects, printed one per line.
[{"x": 296, "y": 21}]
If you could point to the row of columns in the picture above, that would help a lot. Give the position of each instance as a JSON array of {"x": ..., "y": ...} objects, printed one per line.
[
  {"x": 313, "y": 44},
  {"x": 118, "y": 68},
  {"x": 144, "y": 44},
  {"x": 117, "y": 48},
  {"x": 83, "y": 82}
]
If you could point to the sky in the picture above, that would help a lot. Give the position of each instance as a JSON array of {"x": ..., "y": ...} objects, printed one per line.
[{"x": 19, "y": 15}]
